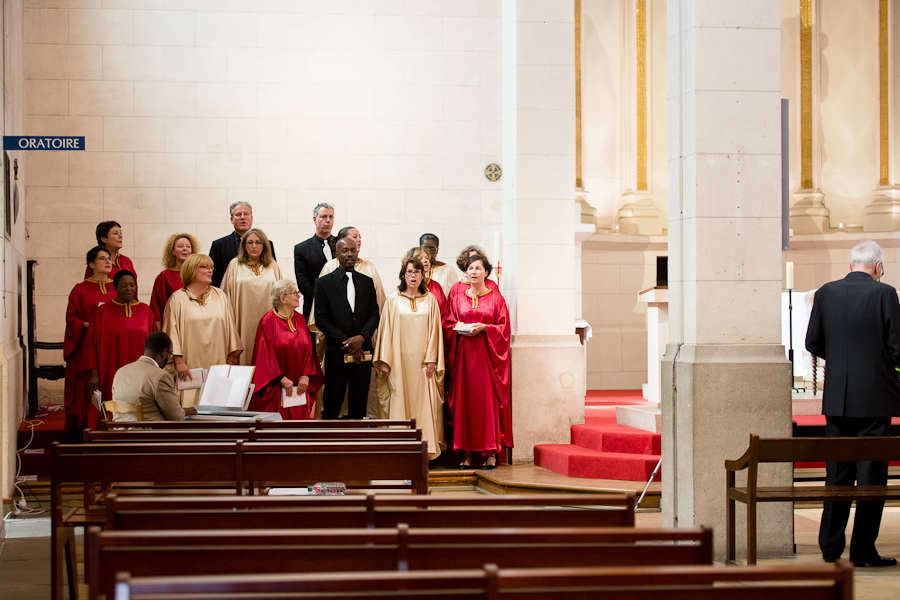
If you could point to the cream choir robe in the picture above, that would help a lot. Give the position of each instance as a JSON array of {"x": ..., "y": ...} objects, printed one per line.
[
  {"x": 446, "y": 275},
  {"x": 368, "y": 269},
  {"x": 249, "y": 290},
  {"x": 410, "y": 334},
  {"x": 202, "y": 331}
]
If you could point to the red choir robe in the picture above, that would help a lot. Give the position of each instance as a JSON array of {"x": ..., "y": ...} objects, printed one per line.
[
  {"x": 438, "y": 292},
  {"x": 461, "y": 286},
  {"x": 479, "y": 398},
  {"x": 84, "y": 299},
  {"x": 116, "y": 335},
  {"x": 167, "y": 283},
  {"x": 121, "y": 262},
  {"x": 283, "y": 349}
]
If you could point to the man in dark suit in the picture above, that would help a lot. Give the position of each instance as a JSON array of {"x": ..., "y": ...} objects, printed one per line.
[
  {"x": 855, "y": 327},
  {"x": 347, "y": 314},
  {"x": 311, "y": 255},
  {"x": 226, "y": 248}
]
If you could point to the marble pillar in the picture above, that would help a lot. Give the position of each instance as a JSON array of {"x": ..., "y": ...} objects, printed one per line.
[
  {"x": 724, "y": 374},
  {"x": 538, "y": 91}
]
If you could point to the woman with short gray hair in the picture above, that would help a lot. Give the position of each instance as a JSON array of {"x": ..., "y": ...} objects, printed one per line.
[{"x": 287, "y": 373}]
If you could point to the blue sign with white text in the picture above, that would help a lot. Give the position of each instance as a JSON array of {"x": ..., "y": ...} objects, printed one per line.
[{"x": 42, "y": 142}]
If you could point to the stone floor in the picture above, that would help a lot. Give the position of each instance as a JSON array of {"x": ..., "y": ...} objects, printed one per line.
[{"x": 25, "y": 561}]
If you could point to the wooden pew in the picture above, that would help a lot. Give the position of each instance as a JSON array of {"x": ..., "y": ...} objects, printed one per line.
[
  {"x": 251, "y": 434},
  {"x": 215, "y": 462},
  {"x": 370, "y": 511},
  {"x": 793, "y": 450},
  {"x": 260, "y": 424},
  {"x": 206, "y": 552},
  {"x": 826, "y": 582}
]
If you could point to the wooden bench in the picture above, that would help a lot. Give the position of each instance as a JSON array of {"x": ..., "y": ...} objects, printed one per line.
[
  {"x": 228, "y": 463},
  {"x": 792, "y": 450},
  {"x": 370, "y": 511},
  {"x": 827, "y": 582},
  {"x": 260, "y": 424},
  {"x": 251, "y": 434},
  {"x": 149, "y": 553}
]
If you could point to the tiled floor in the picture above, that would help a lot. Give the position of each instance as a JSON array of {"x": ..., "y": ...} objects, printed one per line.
[{"x": 25, "y": 555}]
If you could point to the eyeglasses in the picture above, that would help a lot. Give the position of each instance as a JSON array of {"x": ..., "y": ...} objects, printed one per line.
[
  {"x": 253, "y": 243},
  {"x": 295, "y": 294},
  {"x": 209, "y": 267}
]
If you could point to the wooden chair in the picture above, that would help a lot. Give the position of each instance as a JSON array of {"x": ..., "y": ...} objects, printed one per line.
[{"x": 111, "y": 408}]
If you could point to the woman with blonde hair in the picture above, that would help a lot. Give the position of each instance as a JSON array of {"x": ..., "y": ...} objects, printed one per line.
[
  {"x": 284, "y": 357},
  {"x": 199, "y": 320},
  {"x": 177, "y": 249},
  {"x": 248, "y": 283},
  {"x": 409, "y": 356}
]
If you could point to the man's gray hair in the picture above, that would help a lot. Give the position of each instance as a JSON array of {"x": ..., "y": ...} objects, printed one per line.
[
  {"x": 319, "y": 207},
  {"x": 866, "y": 253},
  {"x": 234, "y": 205},
  {"x": 282, "y": 287}
]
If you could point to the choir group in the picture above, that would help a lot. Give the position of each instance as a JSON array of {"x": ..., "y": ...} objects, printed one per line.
[{"x": 352, "y": 350}]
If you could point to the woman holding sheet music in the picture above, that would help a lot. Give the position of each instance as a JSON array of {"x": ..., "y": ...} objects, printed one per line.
[
  {"x": 287, "y": 373},
  {"x": 409, "y": 355},
  {"x": 248, "y": 284},
  {"x": 477, "y": 331},
  {"x": 199, "y": 320}
]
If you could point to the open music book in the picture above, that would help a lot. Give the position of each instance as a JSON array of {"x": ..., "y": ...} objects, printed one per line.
[{"x": 230, "y": 386}]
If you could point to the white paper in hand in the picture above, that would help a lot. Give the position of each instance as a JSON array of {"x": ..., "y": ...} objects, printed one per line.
[
  {"x": 294, "y": 399},
  {"x": 195, "y": 383},
  {"x": 463, "y": 328}
]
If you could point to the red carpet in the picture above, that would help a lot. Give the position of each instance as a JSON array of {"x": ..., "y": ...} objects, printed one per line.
[{"x": 600, "y": 448}]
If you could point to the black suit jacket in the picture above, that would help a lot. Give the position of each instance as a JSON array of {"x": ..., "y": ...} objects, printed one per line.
[
  {"x": 855, "y": 327},
  {"x": 309, "y": 258},
  {"x": 223, "y": 250},
  {"x": 333, "y": 316}
]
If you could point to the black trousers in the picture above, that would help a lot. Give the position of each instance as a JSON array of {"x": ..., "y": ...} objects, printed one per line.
[
  {"x": 340, "y": 376},
  {"x": 868, "y": 514}
]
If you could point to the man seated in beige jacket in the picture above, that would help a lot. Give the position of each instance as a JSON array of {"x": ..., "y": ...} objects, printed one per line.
[{"x": 145, "y": 381}]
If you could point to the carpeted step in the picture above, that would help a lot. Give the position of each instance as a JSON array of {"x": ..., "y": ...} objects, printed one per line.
[
  {"x": 615, "y": 438},
  {"x": 576, "y": 461},
  {"x": 34, "y": 463}
]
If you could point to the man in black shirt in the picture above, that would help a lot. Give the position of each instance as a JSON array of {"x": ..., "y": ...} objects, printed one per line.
[
  {"x": 226, "y": 248},
  {"x": 311, "y": 255}
]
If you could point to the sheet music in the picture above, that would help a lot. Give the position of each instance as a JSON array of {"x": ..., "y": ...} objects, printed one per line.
[
  {"x": 217, "y": 391},
  {"x": 294, "y": 399},
  {"x": 195, "y": 383}
]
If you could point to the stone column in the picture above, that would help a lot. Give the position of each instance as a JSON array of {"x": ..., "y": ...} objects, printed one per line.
[
  {"x": 538, "y": 87},
  {"x": 883, "y": 214},
  {"x": 724, "y": 375}
]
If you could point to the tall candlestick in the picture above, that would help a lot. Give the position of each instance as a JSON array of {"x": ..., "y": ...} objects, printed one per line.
[
  {"x": 789, "y": 276},
  {"x": 498, "y": 247}
]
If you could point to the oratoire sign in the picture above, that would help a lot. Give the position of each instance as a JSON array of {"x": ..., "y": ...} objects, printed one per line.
[{"x": 42, "y": 142}]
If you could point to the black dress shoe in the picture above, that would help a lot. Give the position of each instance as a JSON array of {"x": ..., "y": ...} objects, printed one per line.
[
  {"x": 875, "y": 561},
  {"x": 830, "y": 559}
]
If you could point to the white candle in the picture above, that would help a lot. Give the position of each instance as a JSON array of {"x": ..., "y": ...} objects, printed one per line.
[
  {"x": 789, "y": 276},
  {"x": 498, "y": 247}
]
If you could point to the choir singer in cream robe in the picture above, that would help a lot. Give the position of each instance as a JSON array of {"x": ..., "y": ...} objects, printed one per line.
[
  {"x": 248, "y": 283},
  {"x": 199, "y": 320},
  {"x": 409, "y": 356}
]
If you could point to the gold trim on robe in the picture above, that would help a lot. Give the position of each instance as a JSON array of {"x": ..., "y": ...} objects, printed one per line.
[
  {"x": 249, "y": 289},
  {"x": 407, "y": 338}
]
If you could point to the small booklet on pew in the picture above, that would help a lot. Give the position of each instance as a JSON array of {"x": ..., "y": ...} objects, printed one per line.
[
  {"x": 294, "y": 399},
  {"x": 198, "y": 376},
  {"x": 228, "y": 386}
]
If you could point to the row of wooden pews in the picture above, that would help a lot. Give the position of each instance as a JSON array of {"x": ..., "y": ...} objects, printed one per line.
[{"x": 185, "y": 512}]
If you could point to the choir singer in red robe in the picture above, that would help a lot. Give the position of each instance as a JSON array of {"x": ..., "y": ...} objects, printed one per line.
[
  {"x": 110, "y": 237},
  {"x": 84, "y": 299},
  {"x": 479, "y": 397},
  {"x": 117, "y": 335},
  {"x": 284, "y": 357},
  {"x": 178, "y": 247}
]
